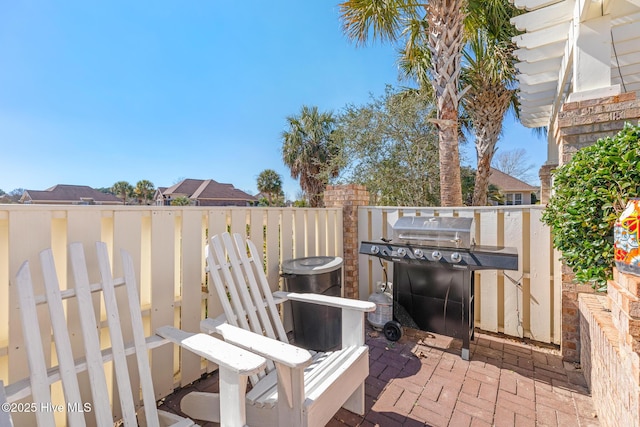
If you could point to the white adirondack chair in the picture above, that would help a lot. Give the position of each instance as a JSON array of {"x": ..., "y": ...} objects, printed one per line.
[
  {"x": 235, "y": 363},
  {"x": 297, "y": 388},
  {"x": 5, "y": 414}
]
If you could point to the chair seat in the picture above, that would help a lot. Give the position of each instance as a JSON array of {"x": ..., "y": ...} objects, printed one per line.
[{"x": 318, "y": 376}]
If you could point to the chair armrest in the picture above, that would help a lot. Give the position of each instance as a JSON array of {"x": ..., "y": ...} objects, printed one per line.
[
  {"x": 217, "y": 351},
  {"x": 277, "y": 351},
  {"x": 351, "y": 304}
]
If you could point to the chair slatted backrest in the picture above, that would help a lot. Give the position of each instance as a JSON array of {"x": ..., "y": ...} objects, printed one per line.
[
  {"x": 5, "y": 416},
  {"x": 243, "y": 289},
  {"x": 94, "y": 357}
]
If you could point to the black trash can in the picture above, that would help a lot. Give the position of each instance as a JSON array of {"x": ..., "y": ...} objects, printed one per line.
[{"x": 315, "y": 327}]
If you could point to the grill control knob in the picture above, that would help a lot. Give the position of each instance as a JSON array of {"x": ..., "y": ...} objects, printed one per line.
[
  {"x": 375, "y": 249},
  {"x": 402, "y": 251},
  {"x": 436, "y": 255},
  {"x": 456, "y": 257},
  {"x": 418, "y": 253}
]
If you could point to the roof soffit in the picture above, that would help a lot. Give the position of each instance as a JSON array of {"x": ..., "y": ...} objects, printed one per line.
[{"x": 546, "y": 50}]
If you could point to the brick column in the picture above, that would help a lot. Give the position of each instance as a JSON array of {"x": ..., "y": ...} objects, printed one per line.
[
  {"x": 545, "y": 182},
  {"x": 348, "y": 197},
  {"x": 580, "y": 124}
]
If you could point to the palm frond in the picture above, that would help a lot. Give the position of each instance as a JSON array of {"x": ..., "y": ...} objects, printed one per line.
[{"x": 377, "y": 19}]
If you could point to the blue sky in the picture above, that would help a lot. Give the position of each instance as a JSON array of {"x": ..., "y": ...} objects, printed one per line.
[{"x": 97, "y": 92}]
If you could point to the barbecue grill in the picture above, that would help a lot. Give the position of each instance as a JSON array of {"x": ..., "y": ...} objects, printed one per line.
[{"x": 433, "y": 282}]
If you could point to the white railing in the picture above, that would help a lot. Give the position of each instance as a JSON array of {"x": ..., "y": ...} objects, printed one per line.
[
  {"x": 167, "y": 245},
  {"x": 522, "y": 303}
]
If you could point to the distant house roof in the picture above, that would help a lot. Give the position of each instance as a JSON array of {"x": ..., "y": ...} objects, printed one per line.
[
  {"x": 208, "y": 192},
  {"x": 69, "y": 194},
  {"x": 508, "y": 183}
]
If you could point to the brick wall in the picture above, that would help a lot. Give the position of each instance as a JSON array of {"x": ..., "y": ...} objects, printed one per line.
[
  {"x": 348, "y": 197},
  {"x": 610, "y": 350},
  {"x": 580, "y": 124}
]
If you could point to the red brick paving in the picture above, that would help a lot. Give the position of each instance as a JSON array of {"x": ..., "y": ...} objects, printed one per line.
[{"x": 422, "y": 381}]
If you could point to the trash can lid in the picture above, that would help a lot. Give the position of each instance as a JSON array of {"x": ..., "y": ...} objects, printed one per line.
[{"x": 311, "y": 265}]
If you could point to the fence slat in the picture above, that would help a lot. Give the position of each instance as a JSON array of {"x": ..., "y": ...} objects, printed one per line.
[
  {"x": 239, "y": 221},
  {"x": 377, "y": 221},
  {"x": 256, "y": 232},
  {"x": 163, "y": 265},
  {"x": 273, "y": 250},
  {"x": 191, "y": 281},
  {"x": 29, "y": 233},
  {"x": 286, "y": 231},
  {"x": 321, "y": 232},
  {"x": 84, "y": 227},
  {"x": 513, "y": 233},
  {"x": 489, "y": 292},
  {"x": 541, "y": 284},
  {"x": 127, "y": 235},
  {"x": 311, "y": 230},
  {"x": 299, "y": 234},
  {"x": 365, "y": 287}
]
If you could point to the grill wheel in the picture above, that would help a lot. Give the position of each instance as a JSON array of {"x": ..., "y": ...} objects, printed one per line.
[{"x": 392, "y": 330}]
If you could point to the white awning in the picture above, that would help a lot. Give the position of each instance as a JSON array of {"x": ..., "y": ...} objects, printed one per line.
[{"x": 571, "y": 46}]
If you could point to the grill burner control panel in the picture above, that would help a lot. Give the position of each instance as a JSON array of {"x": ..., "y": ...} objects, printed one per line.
[{"x": 476, "y": 258}]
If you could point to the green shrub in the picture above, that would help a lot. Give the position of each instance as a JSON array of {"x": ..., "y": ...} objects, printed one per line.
[{"x": 590, "y": 192}]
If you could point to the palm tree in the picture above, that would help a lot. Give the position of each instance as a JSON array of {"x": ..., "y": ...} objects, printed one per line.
[
  {"x": 490, "y": 74},
  {"x": 123, "y": 190},
  {"x": 144, "y": 191},
  {"x": 311, "y": 148},
  {"x": 269, "y": 183},
  {"x": 439, "y": 24}
]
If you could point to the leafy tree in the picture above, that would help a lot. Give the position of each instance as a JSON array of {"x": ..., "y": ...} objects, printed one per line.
[
  {"x": 15, "y": 195},
  {"x": 144, "y": 191},
  {"x": 2, "y": 193},
  {"x": 301, "y": 203},
  {"x": 433, "y": 35},
  {"x": 270, "y": 184},
  {"x": 310, "y": 146},
  {"x": 590, "y": 193},
  {"x": 391, "y": 147},
  {"x": 123, "y": 190},
  {"x": 514, "y": 163},
  {"x": 181, "y": 201}
]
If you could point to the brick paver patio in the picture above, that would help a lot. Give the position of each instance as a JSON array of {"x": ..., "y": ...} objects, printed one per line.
[{"x": 421, "y": 380}]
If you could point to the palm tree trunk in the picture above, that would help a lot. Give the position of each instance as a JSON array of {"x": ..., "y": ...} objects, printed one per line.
[
  {"x": 485, "y": 149},
  {"x": 450, "y": 182},
  {"x": 446, "y": 25},
  {"x": 488, "y": 106}
]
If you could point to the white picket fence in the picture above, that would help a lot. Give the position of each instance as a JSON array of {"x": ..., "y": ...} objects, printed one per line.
[{"x": 522, "y": 303}]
